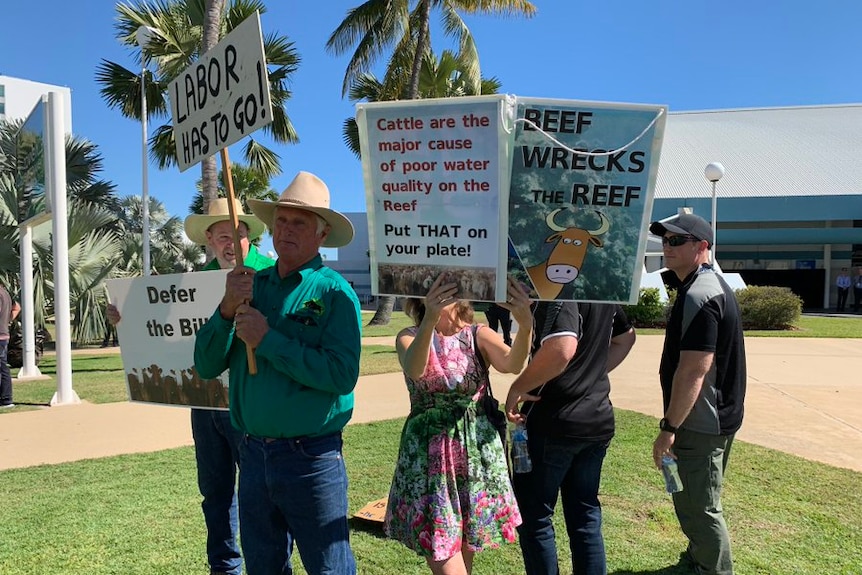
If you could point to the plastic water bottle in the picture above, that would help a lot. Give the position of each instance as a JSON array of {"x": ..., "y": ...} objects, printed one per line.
[
  {"x": 521, "y": 462},
  {"x": 670, "y": 470}
]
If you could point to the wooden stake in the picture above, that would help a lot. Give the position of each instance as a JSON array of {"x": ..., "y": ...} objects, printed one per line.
[{"x": 237, "y": 245}]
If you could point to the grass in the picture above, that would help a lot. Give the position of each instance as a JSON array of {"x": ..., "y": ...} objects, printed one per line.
[{"x": 140, "y": 514}]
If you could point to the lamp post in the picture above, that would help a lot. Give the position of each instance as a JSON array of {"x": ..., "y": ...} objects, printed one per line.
[
  {"x": 713, "y": 172},
  {"x": 143, "y": 35}
]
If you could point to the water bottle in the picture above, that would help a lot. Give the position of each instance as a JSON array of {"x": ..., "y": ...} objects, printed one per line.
[
  {"x": 520, "y": 454},
  {"x": 670, "y": 470}
]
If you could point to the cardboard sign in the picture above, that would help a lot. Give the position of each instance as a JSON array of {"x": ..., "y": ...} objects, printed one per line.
[
  {"x": 434, "y": 171},
  {"x": 582, "y": 182},
  {"x": 374, "y": 511},
  {"x": 223, "y": 97},
  {"x": 160, "y": 316},
  {"x": 556, "y": 193}
]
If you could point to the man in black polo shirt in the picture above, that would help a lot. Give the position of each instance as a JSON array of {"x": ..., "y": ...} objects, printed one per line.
[
  {"x": 569, "y": 429},
  {"x": 703, "y": 386}
]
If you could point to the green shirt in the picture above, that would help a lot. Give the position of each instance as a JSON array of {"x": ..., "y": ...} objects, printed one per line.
[
  {"x": 307, "y": 363},
  {"x": 255, "y": 260}
]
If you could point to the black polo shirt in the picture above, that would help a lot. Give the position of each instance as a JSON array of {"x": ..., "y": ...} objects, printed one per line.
[
  {"x": 576, "y": 404},
  {"x": 705, "y": 317}
]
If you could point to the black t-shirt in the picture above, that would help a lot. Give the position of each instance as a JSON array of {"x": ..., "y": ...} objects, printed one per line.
[
  {"x": 576, "y": 404},
  {"x": 705, "y": 317}
]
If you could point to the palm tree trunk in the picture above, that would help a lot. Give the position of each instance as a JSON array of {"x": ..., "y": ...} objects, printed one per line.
[
  {"x": 209, "y": 167},
  {"x": 421, "y": 48},
  {"x": 385, "y": 306}
]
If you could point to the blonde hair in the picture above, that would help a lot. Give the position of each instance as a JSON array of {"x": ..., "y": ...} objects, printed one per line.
[{"x": 414, "y": 307}]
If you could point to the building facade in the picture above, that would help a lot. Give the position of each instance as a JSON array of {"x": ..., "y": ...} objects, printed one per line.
[{"x": 18, "y": 98}]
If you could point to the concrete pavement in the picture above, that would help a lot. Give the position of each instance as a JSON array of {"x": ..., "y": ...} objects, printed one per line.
[{"x": 804, "y": 397}]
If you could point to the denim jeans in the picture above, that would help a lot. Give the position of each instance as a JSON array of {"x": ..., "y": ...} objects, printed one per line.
[
  {"x": 216, "y": 452},
  {"x": 702, "y": 461},
  {"x": 572, "y": 469},
  {"x": 294, "y": 490},
  {"x": 5, "y": 375}
]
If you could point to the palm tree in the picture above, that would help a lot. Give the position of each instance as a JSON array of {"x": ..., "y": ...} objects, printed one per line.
[
  {"x": 441, "y": 78},
  {"x": 247, "y": 183},
  {"x": 376, "y": 25},
  {"x": 185, "y": 30},
  {"x": 93, "y": 246},
  {"x": 171, "y": 252}
]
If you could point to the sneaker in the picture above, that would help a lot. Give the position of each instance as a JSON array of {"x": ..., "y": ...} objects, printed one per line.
[{"x": 5, "y": 405}]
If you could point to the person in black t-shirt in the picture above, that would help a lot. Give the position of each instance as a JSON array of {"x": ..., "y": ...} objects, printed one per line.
[
  {"x": 703, "y": 379},
  {"x": 500, "y": 316},
  {"x": 570, "y": 423}
]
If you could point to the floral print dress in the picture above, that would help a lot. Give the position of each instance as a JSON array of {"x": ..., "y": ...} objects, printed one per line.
[{"x": 451, "y": 482}]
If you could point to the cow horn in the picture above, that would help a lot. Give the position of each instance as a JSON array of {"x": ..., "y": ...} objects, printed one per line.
[
  {"x": 550, "y": 221},
  {"x": 606, "y": 225}
]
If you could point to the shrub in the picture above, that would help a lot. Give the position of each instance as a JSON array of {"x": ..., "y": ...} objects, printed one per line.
[
  {"x": 768, "y": 307},
  {"x": 650, "y": 311}
]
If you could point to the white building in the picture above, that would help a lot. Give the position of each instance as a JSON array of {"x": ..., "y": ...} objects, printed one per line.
[{"x": 18, "y": 98}]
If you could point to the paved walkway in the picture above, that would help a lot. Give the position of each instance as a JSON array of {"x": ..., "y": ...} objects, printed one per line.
[{"x": 804, "y": 397}]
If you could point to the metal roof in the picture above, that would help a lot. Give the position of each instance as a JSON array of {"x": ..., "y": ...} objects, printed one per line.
[{"x": 766, "y": 152}]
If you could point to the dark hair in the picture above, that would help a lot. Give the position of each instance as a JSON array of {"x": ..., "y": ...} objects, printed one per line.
[{"x": 414, "y": 307}]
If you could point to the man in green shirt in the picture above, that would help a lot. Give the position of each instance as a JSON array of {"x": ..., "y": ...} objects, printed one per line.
[{"x": 304, "y": 323}]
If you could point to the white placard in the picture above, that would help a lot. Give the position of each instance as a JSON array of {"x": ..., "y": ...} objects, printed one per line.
[
  {"x": 160, "y": 315},
  {"x": 222, "y": 97}
]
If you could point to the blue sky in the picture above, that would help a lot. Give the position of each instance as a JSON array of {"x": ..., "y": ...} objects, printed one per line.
[{"x": 689, "y": 55}]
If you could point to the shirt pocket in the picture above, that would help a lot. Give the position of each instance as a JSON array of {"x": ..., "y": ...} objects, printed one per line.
[{"x": 305, "y": 328}]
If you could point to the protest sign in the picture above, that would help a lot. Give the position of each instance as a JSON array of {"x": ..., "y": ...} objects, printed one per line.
[
  {"x": 222, "y": 97},
  {"x": 160, "y": 316},
  {"x": 582, "y": 181},
  {"x": 434, "y": 171}
]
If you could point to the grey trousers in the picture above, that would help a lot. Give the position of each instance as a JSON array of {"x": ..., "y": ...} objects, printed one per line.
[{"x": 702, "y": 460}]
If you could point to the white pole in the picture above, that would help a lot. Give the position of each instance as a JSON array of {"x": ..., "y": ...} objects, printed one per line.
[
  {"x": 714, "y": 237},
  {"x": 713, "y": 172},
  {"x": 28, "y": 370},
  {"x": 62, "y": 313},
  {"x": 145, "y": 200}
]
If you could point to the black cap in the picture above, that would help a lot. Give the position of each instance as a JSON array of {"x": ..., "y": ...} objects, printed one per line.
[{"x": 688, "y": 224}]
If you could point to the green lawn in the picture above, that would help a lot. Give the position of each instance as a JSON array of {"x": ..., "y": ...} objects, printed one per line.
[{"x": 140, "y": 514}]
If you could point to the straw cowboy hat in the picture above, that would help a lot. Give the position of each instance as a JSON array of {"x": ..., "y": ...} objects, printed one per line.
[
  {"x": 197, "y": 225},
  {"x": 308, "y": 192}
]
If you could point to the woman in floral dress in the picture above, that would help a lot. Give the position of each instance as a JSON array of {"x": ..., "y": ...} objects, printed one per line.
[{"x": 451, "y": 494}]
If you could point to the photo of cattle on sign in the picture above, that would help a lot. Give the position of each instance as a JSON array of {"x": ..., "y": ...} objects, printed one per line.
[{"x": 564, "y": 263}]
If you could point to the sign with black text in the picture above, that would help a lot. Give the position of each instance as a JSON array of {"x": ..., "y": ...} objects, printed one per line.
[
  {"x": 160, "y": 315},
  {"x": 222, "y": 97},
  {"x": 434, "y": 171}
]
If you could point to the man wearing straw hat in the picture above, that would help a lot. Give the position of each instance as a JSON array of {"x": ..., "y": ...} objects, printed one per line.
[
  {"x": 216, "y": 439},
  {"x": 303, "y": 322}
]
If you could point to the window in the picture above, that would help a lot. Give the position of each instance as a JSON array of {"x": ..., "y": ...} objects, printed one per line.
[{"x": 2, "y": 91}]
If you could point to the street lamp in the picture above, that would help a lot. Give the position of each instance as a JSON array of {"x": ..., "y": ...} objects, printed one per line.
[
  {"x": 713, "y": 173},
  {"x": 143, "y": 35}
]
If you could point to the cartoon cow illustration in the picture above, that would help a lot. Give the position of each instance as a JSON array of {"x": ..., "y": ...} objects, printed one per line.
[{"x": 565, "y": 260}]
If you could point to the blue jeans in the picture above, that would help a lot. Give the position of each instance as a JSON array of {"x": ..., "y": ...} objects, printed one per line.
[
  {"x": 572, "y": 469},
  {"x": 216, "y": 452},
  {"x": 5, "y": 376},
  {"x": 294, "y": 490}
]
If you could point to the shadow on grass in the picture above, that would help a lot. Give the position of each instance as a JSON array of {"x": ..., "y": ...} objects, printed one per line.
[
  {"x": 368, "y": 527},
  {"x": 684, "y": 567}
]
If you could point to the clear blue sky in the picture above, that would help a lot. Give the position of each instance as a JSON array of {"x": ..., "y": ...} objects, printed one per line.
[{"x": 688, "y": 55}]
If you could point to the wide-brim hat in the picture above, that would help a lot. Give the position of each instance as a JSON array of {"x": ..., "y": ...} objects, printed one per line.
[
  {"x": 196, "y": 225},
  {"x": 687, "y": 224},
  {"x": 308, "y": 192}
]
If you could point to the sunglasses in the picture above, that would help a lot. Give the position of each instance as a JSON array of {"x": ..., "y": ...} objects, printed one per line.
[{"x": 676, "y": 241}]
